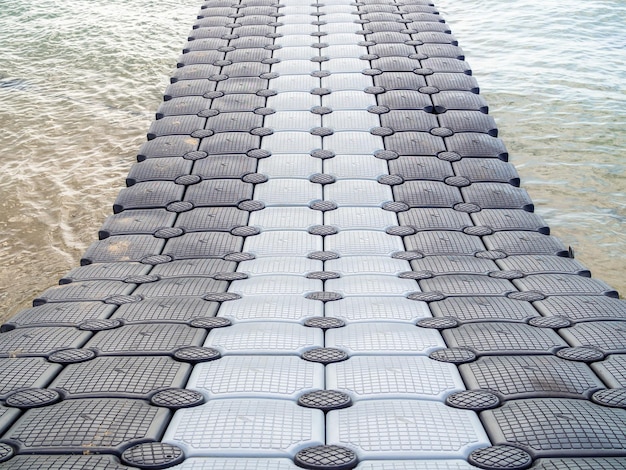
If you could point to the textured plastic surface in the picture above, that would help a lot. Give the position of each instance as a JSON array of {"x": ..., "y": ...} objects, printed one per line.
[{"x": 321, "y": 245}]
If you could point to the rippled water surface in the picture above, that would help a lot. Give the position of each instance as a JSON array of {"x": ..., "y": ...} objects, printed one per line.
[{"x": 80, "y": 81}]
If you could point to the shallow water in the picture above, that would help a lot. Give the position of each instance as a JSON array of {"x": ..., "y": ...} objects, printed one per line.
[
  {"x": 554, "y": 75},
  {"x": 79, "y": 83}
]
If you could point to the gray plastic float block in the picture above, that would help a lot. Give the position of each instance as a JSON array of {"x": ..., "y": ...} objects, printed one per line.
[
  {"x": 193, "y": 267},
  {"x": 219, "y": 219},
  {"x": 453, "y": 265},
  {"x": 224, "y": 166},
  {"x": 158, "y": 169},
  {"x": 245, "y": 69},
  {"x": 612, "y": 370},
  {"x": 363, "y": 243},
  {"x": 264, "y": 338},
  {"x": 583, "y": 308},
  {"x": 390, "y": 50},
  {"x": 344, "y": 65},
  {"x": 360, "y": 218},
  {"x": 511, "y": 219},
  {"x": 564, "y": 284},
  {"x": 59, "y": 314},
  {"x": 453, "y": 82},
  {"x": 400, "y": 81},
  {"x": 589, "y": 463},
  {"x": 485, "y": 170},
  {"x": 40, "y": 341},
  {"x": 353, "y": 143},
  {"x": 246, "y": 428},
  {"x": 25, "y": 372},
  {"x": 74, "y": 425},
  {"x": 242, "y": 85},
  {"x": 203, "y": 245},
  {"x": 441, "y": 50},
  {"x": 289, "y": 166},
  {"x": 287, "y": 83},
  {"x": 277, "y": 266},
  {"x": 232, "y": 104},
  {"x": 499, "y": 338},
  {"x": 421, "y": 168},
  {"x": 371, "y": 309},
  {"x": 199, "y": 57},
  {"x": 409, "y": 120},
  {"x": 195, "y": 72},
  {"x": 282, "y": 377},
  {"x": 447, "y": 100},
  {"x": 291, "y": 142},
  {"x": 295, "y": 67},
  {"x": 467, "y": 285},
  {"x": 355, "y": 166},
  {"x": 497, "y": 196},
  {"x": 394, "y": 377},
  {"x": 294, "y": 40},
  {"x": 219, "y": 192},
  {"x": 231, "y": 143},
  {"x": 435, "y": 219},
  {"x": 424, "y": 464},
  {"x": 517, "y": 377},
  {"x": 525, "y": 243},
  {"x": 346, "y": 81},
  {"x": 282, "y": 243},
  {"x": 105, "y": 271},
  {"x": 348, "y": 99},
  {"x": 123, "y": 248},
  {"x": 288, "y": 192},
  {"x": 207, "y": 44},
  {"x": 175, "y": 125},
  {"x": 178, "y": 310},
  {"x": 217, "y": 463},
  {"x": 170, "y": 146},
  {"x": 181, "y": 287},
  {"x": 293, "y": 100},
  {"x": 234, "y": 122},
  {"x": 405, "y": 99},
  {"x": 146, "y": 339},
  {"x": 395, "y": 64},
  {"x": 284, "y": 308},
  {"x": 471, "y": 309},
  {"x": 425, "y": 27},
  {"x": 147, "y": 195},
  {"x": 292, "y": 120},
  {"x": 541, "y": 264},
  {"x": 285, "y": 218},
  {"x": 399, "y": 428},
  {"x": 361, "y": 265},
  {"x": 384, "y": 339},
  {"x": 558, "y": 427},
  {"x": 129, "y": 377},
  {"x": 609, "y": 336},
  {"x": 136, "y": 222},
  {"x": 350, "y": 120},
  {"x": 7, "y": 417},
  {"x": 471, "y": 144},
  {"x": 371, "y": 285},
  {"x": 176, "y": 107},
  {"x": 64, "y": 462},
  {"x": 358, "y": 193},
  {"x": 275, "y": 285},
  {"x": 444, "y": 243},
  {"x": 84, "y": 291},
  {"x": 427, "y": 194}
]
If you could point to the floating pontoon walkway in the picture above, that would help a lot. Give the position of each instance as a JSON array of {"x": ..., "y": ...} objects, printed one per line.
[{"x": 321, "y": 260}]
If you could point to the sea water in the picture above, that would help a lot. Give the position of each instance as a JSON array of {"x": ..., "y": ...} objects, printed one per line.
[{"x": 80, "y": 81}]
